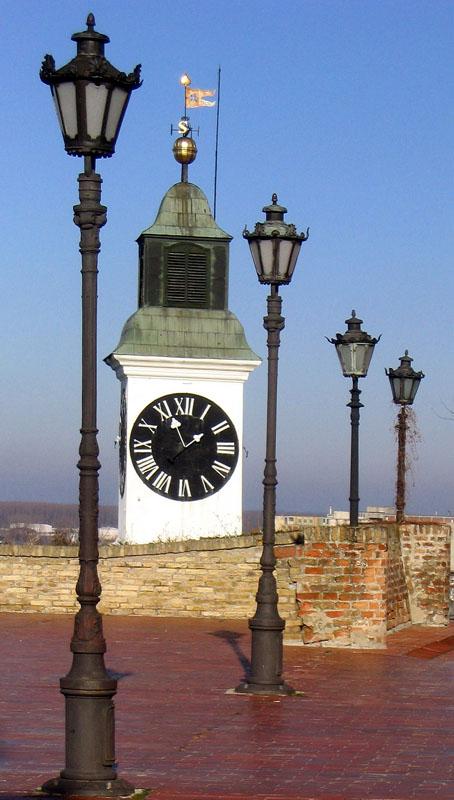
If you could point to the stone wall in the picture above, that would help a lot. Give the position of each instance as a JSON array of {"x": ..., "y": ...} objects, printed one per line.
[{"x": 342, "y": 587}]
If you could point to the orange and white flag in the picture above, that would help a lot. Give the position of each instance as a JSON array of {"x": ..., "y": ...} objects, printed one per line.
[{"x": 196, "y": 98}]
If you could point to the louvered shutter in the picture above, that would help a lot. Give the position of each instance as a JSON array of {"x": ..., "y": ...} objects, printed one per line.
[{"x": 187, "y": 279}]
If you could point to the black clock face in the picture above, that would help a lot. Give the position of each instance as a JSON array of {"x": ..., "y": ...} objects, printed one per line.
[
  {"x": 184, "y": 447},
  {"x": 122, "y": 442}
]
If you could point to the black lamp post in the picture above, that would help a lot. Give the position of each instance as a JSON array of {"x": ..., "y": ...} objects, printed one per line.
[
  {"x": 275, "y": 246},
  {"x": 354, "y": 349},
  {"x": 404, "y": 385},
  {"x": 91, "y": 98}
]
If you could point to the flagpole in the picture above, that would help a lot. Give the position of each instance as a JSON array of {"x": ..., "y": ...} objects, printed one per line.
[{"x": 216, "y": 146}]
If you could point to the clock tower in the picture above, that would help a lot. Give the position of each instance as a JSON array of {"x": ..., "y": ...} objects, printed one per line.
[{"x": 182, "y": 361}]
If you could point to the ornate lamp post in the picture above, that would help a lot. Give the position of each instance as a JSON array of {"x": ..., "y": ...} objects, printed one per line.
[
  {"x": 91, "y": 98},
  {"x": 275, "y": 247},
  {"x": 404, "y": 385},
  {"x": 354, "y": 349}
]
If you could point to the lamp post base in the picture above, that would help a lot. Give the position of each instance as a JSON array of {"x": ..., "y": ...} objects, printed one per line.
[
  {"x": 84, "y": 788},
  {"x": 264, "y": 689}
]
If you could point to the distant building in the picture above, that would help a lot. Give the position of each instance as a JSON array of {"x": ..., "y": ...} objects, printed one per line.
[
  {"x": 336, "y": 517},
  {"x": 37, "y": 527}
]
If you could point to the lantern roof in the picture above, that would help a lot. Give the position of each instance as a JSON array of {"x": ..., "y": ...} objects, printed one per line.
[
  {"x": 354, "y": 334},
  {"x": 89, "y": 63}
]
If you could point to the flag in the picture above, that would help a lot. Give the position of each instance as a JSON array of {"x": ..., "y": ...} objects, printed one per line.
[{"x": 195, "y": 98}]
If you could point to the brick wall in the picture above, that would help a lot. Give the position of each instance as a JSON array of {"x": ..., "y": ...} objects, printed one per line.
[
  {"x": 343, "y": 587},
  {"x": 426, "y": 562},
  {"x": 397, "y": 594},
  {"x": 341, "y": 590}
]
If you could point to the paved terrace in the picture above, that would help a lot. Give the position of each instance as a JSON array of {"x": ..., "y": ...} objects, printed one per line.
[{"x": 376, "y": 725}]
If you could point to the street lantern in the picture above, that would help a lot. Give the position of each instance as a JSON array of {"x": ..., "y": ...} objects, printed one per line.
[
  {"x": 354, "y": 349},
  {"x": 404, "y": 383},
  {"x": 91, "y": 98},
  {"x": 275, "y": 246},
  {"x": 90, "y": 95}
]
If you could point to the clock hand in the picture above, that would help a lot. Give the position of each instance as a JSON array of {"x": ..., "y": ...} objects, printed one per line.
[
  {"x": 196, "y": 438},
  {"x": 176, "y": 425}
]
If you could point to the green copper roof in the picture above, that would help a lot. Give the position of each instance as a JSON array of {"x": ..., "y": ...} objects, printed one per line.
[
  {"x": 184, "y": 333},
  {"x": 184, "y": 211}
]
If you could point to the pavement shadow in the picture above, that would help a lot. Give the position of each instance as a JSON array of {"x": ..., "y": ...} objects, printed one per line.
[
  {"x": 231, "y": 637},
  {"x": 118, "y": 676}
]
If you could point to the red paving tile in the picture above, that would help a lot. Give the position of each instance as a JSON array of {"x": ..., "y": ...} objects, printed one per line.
[
  {"x": 373, "y": 725},
  {"x": 434, "y": 649}
]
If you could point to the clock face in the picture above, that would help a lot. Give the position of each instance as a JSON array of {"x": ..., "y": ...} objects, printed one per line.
[{"x": 184, "y": 447}]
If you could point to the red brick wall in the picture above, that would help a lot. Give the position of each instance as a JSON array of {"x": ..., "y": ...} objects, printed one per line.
[
  {"x": 352, "y": 586},
  {"x": 341, "y": 593},
  {"x": 397, "y": 594},
  {"x": 426, "y": 562}
]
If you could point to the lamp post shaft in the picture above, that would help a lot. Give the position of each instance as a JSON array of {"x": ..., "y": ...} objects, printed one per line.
[
  {"x": 88, "y": 689},
  {"x": 266, "y": 625},
  {"x": 401, "y": 458},
  {"x": 354, "y": 405}
]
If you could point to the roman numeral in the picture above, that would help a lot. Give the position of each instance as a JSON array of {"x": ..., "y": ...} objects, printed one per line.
[
  {"x": 163, "y": 410},
  {"x": 225, "y": 448},
  {"x": 205, "y": 412},
  {"x": 142, "y": 447},
  {"x": 220, "y": 427},
  {"x": 221, "y": 468},
  {"x": 184, "y": 405},
  {"x": 184, "y": 489},
  {"x": 151, "y": 428},
  {"x": 147, "y": 466},
  {"x": 162, "y": 482},
  {"x": 208, "y": 487}
]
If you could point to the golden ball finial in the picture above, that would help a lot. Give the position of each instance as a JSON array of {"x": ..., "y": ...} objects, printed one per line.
[
  {"x": 185, "y": 80},
  {"x": 184, "y": 150}
]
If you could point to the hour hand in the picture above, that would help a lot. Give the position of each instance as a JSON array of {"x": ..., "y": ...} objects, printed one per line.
[
  {"x": 176, "y": 425},
  {"x": 196, "y": 438}
]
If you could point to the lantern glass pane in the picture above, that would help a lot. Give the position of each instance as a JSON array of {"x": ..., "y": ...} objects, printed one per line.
[
  {"x": 95, "y": 102},
  {"x": 267, "y": 257},
  {"x": 284, "y": 255},
  {"x": 255, "y": 253},
  {"x": 118, "y": 100},
  {"x": 409, "y": 389},
  {"x": 294, "y": 258},
  {"x": 66, "y": 94},
  {"x": 396, "y": 389},
  {"x": 368, "y": 350},
  {"x": 57, "y": 109},
  {"x": 414, "y": 389}
]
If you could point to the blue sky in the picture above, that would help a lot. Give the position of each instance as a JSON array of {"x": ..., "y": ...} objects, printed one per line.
[{"x": 342, "y": 108}]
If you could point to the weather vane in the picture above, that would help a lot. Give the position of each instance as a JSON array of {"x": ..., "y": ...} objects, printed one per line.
[{"x": 184, "y": 148}]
